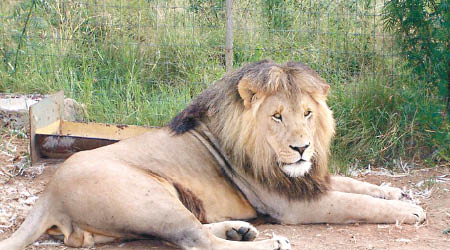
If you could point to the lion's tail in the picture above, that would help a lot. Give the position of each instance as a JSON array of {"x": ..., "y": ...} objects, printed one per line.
[{"x": 34, "y": 226}]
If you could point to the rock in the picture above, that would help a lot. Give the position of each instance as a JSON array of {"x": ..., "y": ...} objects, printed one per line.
[
  {"x": 74, "y": 111},
  {"x": 14, "y": 110}
]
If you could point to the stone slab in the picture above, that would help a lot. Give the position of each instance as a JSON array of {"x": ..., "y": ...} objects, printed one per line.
[{"x": 14, "y": 110}]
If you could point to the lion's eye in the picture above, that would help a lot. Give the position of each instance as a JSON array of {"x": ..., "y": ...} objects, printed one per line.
[
  {"x": 308, "y": 113},
  {"x": 277, "y": 117}
]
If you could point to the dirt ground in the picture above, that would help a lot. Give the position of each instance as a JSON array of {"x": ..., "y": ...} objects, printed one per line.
[{"x": 20, "y": 187}]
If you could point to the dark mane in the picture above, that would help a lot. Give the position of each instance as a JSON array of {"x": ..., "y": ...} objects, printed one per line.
[{"x": 188, "y": 118}]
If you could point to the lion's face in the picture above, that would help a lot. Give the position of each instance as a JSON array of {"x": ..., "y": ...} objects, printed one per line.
[{"x": 288, "y": 125}]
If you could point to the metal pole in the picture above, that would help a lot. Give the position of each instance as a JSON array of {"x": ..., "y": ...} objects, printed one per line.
[{"x": 229, "y": 36}]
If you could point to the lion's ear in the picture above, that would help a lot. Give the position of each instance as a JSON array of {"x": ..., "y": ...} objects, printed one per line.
[{"x": 246, "y": 92}]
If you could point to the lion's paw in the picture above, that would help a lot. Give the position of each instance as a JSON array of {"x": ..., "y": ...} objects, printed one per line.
[
  {"x": 414, "y": 214},
  {"x": 240, "y": 231},
  {"x": 281, "y": 243},
  {"x": 392, "y": 193}
]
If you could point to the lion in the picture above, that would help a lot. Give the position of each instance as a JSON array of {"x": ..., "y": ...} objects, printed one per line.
[{"x": 254, "y": 143}]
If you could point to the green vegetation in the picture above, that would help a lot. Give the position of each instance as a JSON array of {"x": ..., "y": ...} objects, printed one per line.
[
  {"x": 423, "y": 30},
  {"x": 140, "y": 62}
]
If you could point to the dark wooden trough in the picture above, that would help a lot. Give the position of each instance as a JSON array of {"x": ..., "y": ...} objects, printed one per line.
[{"x": 54, "y": 138}]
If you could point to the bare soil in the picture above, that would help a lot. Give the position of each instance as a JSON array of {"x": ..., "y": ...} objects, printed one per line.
[{"x": 20, "y": 187}]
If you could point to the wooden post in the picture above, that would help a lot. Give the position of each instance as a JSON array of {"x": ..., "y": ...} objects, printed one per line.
[{"x": 229, "y": 36}]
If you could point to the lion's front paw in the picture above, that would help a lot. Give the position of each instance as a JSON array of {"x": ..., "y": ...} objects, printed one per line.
[
  {"x": 392, "y": 193},
  {"x": 233, "y": 230},
  {"x": 281, "y": 243},
  {"x": 240, "y": 231},
  {"x": 413, "y": 214}
]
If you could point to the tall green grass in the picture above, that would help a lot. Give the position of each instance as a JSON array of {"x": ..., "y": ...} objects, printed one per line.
[
  {"x": 379, "y": 123},
  {"x": 140, "y": 62}
]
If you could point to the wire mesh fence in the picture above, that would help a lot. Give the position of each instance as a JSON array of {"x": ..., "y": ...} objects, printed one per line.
[
  {"x": 153, "y": 56},
  {"x": 141, "y": 61}
]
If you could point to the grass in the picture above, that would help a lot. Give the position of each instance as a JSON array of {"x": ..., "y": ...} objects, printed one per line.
[
  {"x": 140, "y": 62},
  {"x": 378, "y": 124}
]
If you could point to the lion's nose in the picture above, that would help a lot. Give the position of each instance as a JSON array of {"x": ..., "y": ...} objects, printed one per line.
[{"x": 300, "y": 149}]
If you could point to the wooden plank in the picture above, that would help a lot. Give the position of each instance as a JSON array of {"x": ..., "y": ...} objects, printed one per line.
[{"x": 102, "y": 131}]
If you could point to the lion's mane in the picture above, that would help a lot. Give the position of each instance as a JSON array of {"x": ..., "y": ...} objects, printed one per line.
[{"x": 220, "y": 107}]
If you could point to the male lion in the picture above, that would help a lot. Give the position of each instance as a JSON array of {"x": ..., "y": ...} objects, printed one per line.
[{"x": 255, "y": 142}]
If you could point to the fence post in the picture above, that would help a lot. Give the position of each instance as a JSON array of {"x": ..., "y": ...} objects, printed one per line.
[{"x": 229, "y": 36}]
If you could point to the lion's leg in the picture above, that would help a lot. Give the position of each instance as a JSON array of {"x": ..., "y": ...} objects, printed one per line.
[
  {"x": 340, "y": 207},
  {"x": 194, "y": 242},
  {"x": 80, "y": 238},
  {"x": 233, "y": 230},
  {"x": 168, "y": 219},
  {"x": 177, "y": 224},
  {"x": 349, "y": 185}
]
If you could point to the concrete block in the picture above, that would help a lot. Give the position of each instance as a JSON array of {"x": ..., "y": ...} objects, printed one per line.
[{"x": 14, "y": 110}]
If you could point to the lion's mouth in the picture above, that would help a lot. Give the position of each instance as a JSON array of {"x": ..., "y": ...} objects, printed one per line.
[
  {"x": 294, "y": 163},
  {"x": 297, "y": 169}
]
